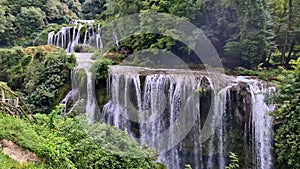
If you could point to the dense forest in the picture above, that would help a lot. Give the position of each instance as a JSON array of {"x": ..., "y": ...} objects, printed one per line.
[
  {"x": 252, "y": 37},
  {"x": 244, "y": 33}
]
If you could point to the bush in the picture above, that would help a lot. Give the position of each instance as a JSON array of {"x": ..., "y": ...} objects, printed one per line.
[
  {"x": 100, "y": 68},
  {"x": 80, "y": 48},
  {"x": 73, "y": 143},
  {"x": 40, "y": 73},
  {"x": 287, "y": 121}
]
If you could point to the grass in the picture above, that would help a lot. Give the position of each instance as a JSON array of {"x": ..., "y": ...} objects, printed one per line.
[
  {"x": 8, "y": 163},
  {"x": 69, "y": 143}
]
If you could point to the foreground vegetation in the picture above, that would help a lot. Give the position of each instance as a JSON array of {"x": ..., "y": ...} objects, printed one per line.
[
  {"x": 287, "y": 121},
  {"x": 8, "y": 163},
  {"x": 72, "y": 143}
]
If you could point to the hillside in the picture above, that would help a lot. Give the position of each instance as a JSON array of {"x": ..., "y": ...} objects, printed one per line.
[{"x": 65, "y": 143}]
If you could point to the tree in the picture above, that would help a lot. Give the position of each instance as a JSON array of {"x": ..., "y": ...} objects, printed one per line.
[
  {"x": 74, "y": 6},
  {"x": 21, "y": 20},
  {"x": 121, "y": 8},
  {"x": 16, "y": 5},
  {"x": 251, "y": 45},
  {"x": 289, "y": 25},
  {"x": 219, "y": 19},
  {"x": 287, "y": 124},
  {"x": 91, "y": 8},
  {"x": 181, "y": 8},
  {"x": 286, "y": 15},
  {"x": 6, "y": 21},
  {"x": 30, "y": 20},
  {"x": 58, "y": 12}
]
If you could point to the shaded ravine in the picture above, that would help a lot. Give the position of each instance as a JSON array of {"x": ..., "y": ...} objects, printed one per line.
[{"x": 194, "y": 118}]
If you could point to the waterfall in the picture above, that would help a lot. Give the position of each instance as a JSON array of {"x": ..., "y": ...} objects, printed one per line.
[
  {"x": 76, "y": 39},
  {"x": 70, "y": 36},
  {"x": 261, "y": 127},
  {"x": 192, "y": 118},
  {"x": 65, "y": 102},
  {"x": 83, "y": 87},
  {"x": 115, "y": 37},
  {"x": 99, "y": 43},
  {"x": 51, "y": 37}
]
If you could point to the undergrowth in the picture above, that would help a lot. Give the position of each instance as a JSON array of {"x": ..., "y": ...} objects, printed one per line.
[{"x": 73, "y": 143}]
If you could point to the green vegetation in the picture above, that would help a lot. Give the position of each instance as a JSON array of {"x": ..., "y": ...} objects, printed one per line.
[
  {"x": 287, "y": 123},
  {"x": 234, "y": 161},
  {"x": 245, "y": 34},
  {"x": 40, "y": 74},
  {"x": 73, "y": 143},
  {"x": 21, "y": 20},
  {"x": 8, "y": 163}
]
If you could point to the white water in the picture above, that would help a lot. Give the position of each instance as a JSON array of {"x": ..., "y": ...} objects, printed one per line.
[
  {"x": 68, "y": 37},
  {"x": 261, "y": 127},
  {"x": 91, "y": 108},
  {"x": 166, "y": 105}
]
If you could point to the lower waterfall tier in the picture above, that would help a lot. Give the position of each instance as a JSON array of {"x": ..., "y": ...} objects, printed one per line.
[{"x": 193, "y": 118}]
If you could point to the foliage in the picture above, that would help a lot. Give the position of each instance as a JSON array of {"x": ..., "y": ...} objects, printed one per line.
[
  {"x": 67, "y": 143},
  {"x": 120, "y": 8},
  {"x": 8, "y": 60},
  {"x": 58, "y": 12},
  {"x": 50, "y": 77},
  {"x": 92, "y": 8},
  {"x": 100, "y": 68},
  {"x": 6, "y": 162},
  {"x": 251, "y": 44},
  {"x": 30, "y": 20},
  {"x": 21, "y": 20},
  {"x": 39, "y": 73},
  {"x": 179, "y": 8},
  {"x": 271, "y": 75},
  {"x": 234, "y": 161},
  {"x": 6, "y": 24},
  {"x": 245, "y": 34},
  {"x": 287, "y": 119}
]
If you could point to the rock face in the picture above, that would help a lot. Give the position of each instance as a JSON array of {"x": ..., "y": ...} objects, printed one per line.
[
  {"x": 17, "y": 153},
  {"x": 193, "y": 117}
]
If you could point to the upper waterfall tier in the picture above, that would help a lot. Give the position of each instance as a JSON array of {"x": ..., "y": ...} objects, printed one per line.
[
  {"x": 193, "y": 117},
  {"x": 80, "y": 32}
]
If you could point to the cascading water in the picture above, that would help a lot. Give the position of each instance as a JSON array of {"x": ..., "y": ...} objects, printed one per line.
[
  {"x": 157, "y": 107},
  {"x": 70, "y": 36},
  {"x": 99, "y": 43},
  {"x": 261, "y": 127},
  {"x": 83, "y": 87}
]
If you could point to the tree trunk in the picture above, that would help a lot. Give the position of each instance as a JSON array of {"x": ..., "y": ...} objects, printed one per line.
[
  {"x": 288, "y": 59},
  {"x": 285, "y": 46}
]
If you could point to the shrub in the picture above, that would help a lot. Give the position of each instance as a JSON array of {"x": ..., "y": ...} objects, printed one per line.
[{"x": 73, "y": 143}]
